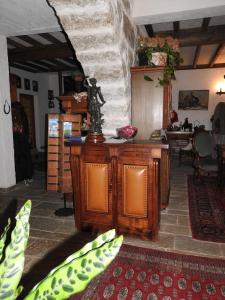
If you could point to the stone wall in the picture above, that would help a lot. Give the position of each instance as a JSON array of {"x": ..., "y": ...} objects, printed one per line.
[{"x": 104, "y": 38}]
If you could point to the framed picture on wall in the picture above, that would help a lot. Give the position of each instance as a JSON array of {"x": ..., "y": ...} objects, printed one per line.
[
  {"x": 18, "y": 82},
  {"x": 27, "y": 84},
  {"x": 193, "y": 100},
  {"x": 34, "y": 85}
]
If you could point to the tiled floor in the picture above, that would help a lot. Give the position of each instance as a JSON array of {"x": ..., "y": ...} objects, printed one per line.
[{"x": 53, "y": 238}]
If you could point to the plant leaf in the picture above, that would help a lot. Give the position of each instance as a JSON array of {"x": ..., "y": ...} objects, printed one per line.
[
  {"x": 85, "y": 264},
  {"x": 3, "y": 238},
  {"x": 147, "y": 78},
  {"x": 11, "y": 268}
]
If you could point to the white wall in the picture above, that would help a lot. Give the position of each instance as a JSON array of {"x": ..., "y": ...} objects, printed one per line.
[
  {"x": 205, "y": 79},
  {"x": 7, "y": 168},
  {"x": 151, "y": 11},
  {"x": 46, "y": 81}
]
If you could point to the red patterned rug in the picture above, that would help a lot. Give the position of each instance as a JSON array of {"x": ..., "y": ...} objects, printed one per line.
[
  {"x": 207, "y": 210},
  {"x": 146, "y": 274}
]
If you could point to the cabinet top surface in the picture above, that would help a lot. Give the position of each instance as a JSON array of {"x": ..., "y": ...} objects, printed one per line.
[{"x": 134, "y": 143}]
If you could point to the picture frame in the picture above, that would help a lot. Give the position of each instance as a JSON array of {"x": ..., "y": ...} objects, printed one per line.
[
  {"x": 35, "y": 85},
  {"x": 193, "y": 100},
  {"x": 18, "y": 82},
  {"x": 26, "y": 84}
]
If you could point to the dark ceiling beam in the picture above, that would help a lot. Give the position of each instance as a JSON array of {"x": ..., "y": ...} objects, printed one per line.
[
  {"x": 15, "y": 65},
  {"x": 205, "y": 66},
  {"x": 38, "y": 53},
  {"x": 149, "y": 30},
  {"x": 216, "y": 55},
  {"x": 32, "y": 65},
  {"x": 176, "y": 28},
  {"x": 197, "y": 54},
  {"x": 59, "y": 62},
  {"x": 30, "y": 40},
  {"x": 196, "y": 37},
  {"x": 204, "y": 28},
  {"x": 50, "y": 38},
  {"x": 15, "y": 44},
  {"x": 46, "y": 64},
  {"x": 205, "y": 24},
  {"x": 70, "y": 61}
]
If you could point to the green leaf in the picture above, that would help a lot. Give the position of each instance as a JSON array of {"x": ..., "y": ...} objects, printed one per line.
[
  {"x": 12, "y": 266},
  {"x": 147, "y": 78},
  {"x": 86, "y": 266}
]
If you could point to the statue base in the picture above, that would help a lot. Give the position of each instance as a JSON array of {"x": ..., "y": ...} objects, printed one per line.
[{"x": 94, "y": 137}]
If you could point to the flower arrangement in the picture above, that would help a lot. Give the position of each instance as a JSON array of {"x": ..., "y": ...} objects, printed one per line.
[{"x": 169, "y": 46}]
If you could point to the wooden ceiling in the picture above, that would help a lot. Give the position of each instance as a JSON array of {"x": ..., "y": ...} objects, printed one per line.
[
  {"x": 202, "y": 43},
  {"x": 44, "y": 52}
]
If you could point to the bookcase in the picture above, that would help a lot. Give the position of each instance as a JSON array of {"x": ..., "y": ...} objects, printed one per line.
[{"x": 58, "y": 155}]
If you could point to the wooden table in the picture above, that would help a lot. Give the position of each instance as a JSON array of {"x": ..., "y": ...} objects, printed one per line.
[{"x": 177, "y": 140}]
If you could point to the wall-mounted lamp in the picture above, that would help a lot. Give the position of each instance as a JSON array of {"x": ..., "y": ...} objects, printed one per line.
[{"x": 221, "y": 92}]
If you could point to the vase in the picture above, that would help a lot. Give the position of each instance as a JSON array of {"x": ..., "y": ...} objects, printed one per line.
[{"x": 159, "y": 59}]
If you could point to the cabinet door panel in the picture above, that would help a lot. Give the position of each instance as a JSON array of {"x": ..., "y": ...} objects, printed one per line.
[
  {"x": 97, "y": 187},
  {"x": 135, "y": 191}
]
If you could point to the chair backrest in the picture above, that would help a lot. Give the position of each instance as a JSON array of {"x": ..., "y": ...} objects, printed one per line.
[{"x": 203, "y": 143}]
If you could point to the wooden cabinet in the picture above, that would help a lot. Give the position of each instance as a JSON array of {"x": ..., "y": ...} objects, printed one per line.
[
  {"x": 150, "y": 102},
  {"x": 149, "y": 112},
  {"x": 117, "y": 186}
]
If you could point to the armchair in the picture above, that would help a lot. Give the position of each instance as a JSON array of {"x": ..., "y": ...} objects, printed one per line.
[{"x": 204, "y": 163}]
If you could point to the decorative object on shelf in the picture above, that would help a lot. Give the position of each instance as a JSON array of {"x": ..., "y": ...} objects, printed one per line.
[
  {"x": 95, "y": 102},
  {"x": 127, "y": 132},
  {"x": 79, "y": 97},
  {"x": 159, "y": 51},
  {"x": 193, "y": 100},
  {"x": 27, "y": 84}
]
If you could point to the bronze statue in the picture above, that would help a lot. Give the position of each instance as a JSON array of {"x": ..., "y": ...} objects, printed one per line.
[{"x": 95, "y": 102}]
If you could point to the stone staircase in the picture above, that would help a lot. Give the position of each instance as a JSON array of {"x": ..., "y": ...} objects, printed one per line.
[{"x": 104, "y": 39}]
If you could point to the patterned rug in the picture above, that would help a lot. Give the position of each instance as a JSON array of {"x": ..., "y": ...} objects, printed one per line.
[
  {"x": 146, "y": 274},
  {"x": 207, "y": 210}
]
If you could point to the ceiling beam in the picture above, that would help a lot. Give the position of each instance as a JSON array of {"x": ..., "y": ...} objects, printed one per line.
[
  {"x": 50, "y": 38},
  {"x": 197, "y": 37},
  {"x": 197, "y": 53},
  {"x": 18, "y": 66},
  {"x": 176, "y": 28},
  {"x": 219, "y": 50},
  {"x": 30, "y": 40},
  {"x": 204, "y": 28},
  {"x": 205, "y": 66},
  {"x": 32, "y": 65},
  {"x": 149, "y": 30},
  {"x": 38, "y": 53},
  {"x": 14, "y": 43},
  {"x": 205, "y": 24}
]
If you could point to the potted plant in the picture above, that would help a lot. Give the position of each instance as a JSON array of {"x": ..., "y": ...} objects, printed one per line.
[
  {"x": 70, "y": 277},
  {"x": 159, "y": 51}
]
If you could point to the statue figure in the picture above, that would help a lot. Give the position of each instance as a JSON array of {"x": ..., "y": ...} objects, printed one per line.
[{"x": 95, "y": 102}]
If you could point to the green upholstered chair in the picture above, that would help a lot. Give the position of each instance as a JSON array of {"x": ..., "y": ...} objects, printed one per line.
[{"x": 205, "y": 161}]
